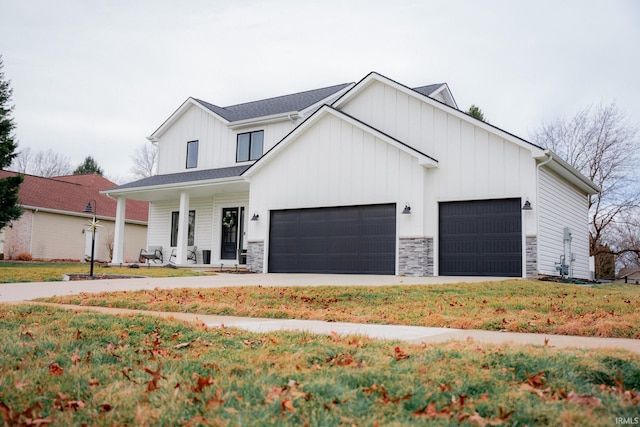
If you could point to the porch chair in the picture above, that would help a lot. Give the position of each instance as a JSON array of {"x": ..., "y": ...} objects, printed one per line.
[
  {"x": 191, "y": 254},
  {"x": 154, "y": 253}
]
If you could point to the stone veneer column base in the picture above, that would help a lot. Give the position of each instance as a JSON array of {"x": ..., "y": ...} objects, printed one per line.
[
  {"x": 532, "y": 257},
  {"x": 255, "y": 256},
  {"x": 415, "y": 256}
]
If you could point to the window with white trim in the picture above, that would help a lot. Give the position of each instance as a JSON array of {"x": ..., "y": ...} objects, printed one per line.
[{"x": 192, "y": 154}]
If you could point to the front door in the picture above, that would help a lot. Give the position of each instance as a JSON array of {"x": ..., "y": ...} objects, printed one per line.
[{"x": 229, "y": 249}]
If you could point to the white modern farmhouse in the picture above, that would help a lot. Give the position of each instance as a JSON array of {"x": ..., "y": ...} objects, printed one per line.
[{"x": 373, "y": 178}]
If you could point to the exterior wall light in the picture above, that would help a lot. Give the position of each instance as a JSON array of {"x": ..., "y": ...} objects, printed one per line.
[
  {"x": 527, "y": 206},
  {"x": 255, "y": 216},
  {"x": 407, "y": 209}
]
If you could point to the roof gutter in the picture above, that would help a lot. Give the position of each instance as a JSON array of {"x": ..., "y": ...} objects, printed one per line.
[
  {"x": 178, "y": 185},
  {"x": 79, "y": 214},
  {"x": 291, "y": 115},
  {"x": 571, "y": 174}
]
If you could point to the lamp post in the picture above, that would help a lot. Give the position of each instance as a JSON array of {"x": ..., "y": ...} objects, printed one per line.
[{"x": 92, "y": 209}]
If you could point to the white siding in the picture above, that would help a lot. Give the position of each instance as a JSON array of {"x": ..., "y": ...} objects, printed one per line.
[
  {"x": 561, "y": 205},
  {"x": 473, "y": 163},
  {"x": 217, "y": 143},
  {"x": 335, "y": 163},
  {"x": 208, "y": 222}
]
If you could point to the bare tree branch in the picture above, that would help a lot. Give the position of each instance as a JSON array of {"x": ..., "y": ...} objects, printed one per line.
[
  {"x": 601, "y": 144},
  {"x": 144, "y": 161},
  {"x": 41, "y": 163}
]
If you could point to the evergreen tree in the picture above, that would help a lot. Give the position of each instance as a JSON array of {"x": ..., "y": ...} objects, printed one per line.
[
  {"x": 89, "y": 166},
  {"x": 10, "y": 208},
  {"x": 475, "y": 111}
]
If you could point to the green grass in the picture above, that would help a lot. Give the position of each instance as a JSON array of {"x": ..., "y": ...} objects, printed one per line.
[
  {"x": 79, "y": 368},
  {"x": 514, "y": 306},
  {"x": 18, "y": 272}
]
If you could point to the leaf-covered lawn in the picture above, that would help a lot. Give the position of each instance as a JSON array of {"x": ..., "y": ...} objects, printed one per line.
[
  {"x": 514, "y": 306},
  {"x": 54, "y": 272},
  {"x": 78, "y": 368}
]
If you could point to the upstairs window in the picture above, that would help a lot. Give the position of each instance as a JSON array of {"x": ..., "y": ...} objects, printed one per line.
[
  {"x": 192, "y": 154},
  {"x": 249, "y": 146}
]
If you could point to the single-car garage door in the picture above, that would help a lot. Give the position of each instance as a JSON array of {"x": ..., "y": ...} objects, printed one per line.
[
  {"x": 346, "y": 239},
  {"x": 481, "y": 238}
]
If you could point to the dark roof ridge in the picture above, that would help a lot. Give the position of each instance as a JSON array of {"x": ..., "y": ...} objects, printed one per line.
[
  {"x": 271, "y": 106},
  {"x": 287, "y": 95}
]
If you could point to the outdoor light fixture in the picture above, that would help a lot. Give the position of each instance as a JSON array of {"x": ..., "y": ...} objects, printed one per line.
[
  {"x": 527, "y": 206},
  {"x": 255, "y": 216},
  {"x": 92, "y": 226},
  {"x": 407, "y": 209}
]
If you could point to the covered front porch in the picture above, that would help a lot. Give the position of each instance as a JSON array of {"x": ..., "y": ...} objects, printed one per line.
[{"x": 196, "y": 219}]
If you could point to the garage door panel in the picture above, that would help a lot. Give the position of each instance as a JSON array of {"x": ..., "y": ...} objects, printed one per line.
[
  {"x": 351, "y": 239},
  {"x": 481, "y": 238}
]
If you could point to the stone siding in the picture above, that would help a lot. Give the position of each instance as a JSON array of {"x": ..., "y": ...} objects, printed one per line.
[
  {"x": 532, "y": 257},
  {"x": 255, "y": 256},
  {"x": 415, "y": 256}
]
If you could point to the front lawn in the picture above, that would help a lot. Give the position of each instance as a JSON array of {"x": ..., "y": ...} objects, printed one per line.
[
  {"x": 515, "y": 306},
  {"x": 17, "y": 272},
  {"x": 63, "y": 367}
]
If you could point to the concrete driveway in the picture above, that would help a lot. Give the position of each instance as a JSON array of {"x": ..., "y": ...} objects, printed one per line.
[{"x": 14, "y": 292}]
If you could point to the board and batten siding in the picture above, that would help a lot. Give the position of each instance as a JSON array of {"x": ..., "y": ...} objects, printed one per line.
[
  {"x": 473, "y": 163},
  {"x": 561, "y": 205},
  {"x": 217, "y": 142},
  {"x": 335, "y": 163}
]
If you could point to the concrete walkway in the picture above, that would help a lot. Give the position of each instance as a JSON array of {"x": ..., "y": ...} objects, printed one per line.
[{"x": 23, "y": 292}]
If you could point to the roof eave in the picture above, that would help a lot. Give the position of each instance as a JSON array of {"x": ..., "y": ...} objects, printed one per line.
[
  {"x": 255, "y": 121},
  {"x": 571, "y": 174},
  {"x": 154, "y": 137},
  {"x": 175, "y": 185}
]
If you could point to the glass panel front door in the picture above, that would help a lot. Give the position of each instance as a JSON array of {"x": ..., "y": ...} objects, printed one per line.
[{"x": 229, "y": 249}]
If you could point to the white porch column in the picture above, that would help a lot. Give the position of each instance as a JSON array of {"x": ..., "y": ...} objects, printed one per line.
[
  {"x": 118, "y": 232},
  {"x": 183, "y": 229}
]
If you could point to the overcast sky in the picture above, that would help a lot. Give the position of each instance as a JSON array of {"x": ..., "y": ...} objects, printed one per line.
[{"x": 97, "y": 77}]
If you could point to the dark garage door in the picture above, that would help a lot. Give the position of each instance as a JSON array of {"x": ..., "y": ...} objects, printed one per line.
[
  {"x": 348, "y": 239},
  {"x": 481, "y": 238}
]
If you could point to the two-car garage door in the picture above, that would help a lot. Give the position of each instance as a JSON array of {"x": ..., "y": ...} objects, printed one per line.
[
  {"x": 476, "y": 238},
  {"x": 345, "y": 239}
]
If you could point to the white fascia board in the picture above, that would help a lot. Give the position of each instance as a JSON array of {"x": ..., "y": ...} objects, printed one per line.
[
  {"x": 292, "y": 115},
  {"x": 423, "y": 159},
  {"x": 177, "y": 185},
  {"x": 154, "y": 137},
  {"x": 446, "y": 94},
  {"x": 571, "y": 174},
  {"x": 327, "y": 100}
]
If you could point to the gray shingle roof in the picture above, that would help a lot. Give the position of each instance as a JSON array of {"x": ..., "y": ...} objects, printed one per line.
[
  {"x": 267, "y": 107},
  {"x": 182, "y": 177},
  {"x": 428, "y": 90}
]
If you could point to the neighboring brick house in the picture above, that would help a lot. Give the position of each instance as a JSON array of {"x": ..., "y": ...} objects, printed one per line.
[{"x": 54, "y": 224}]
